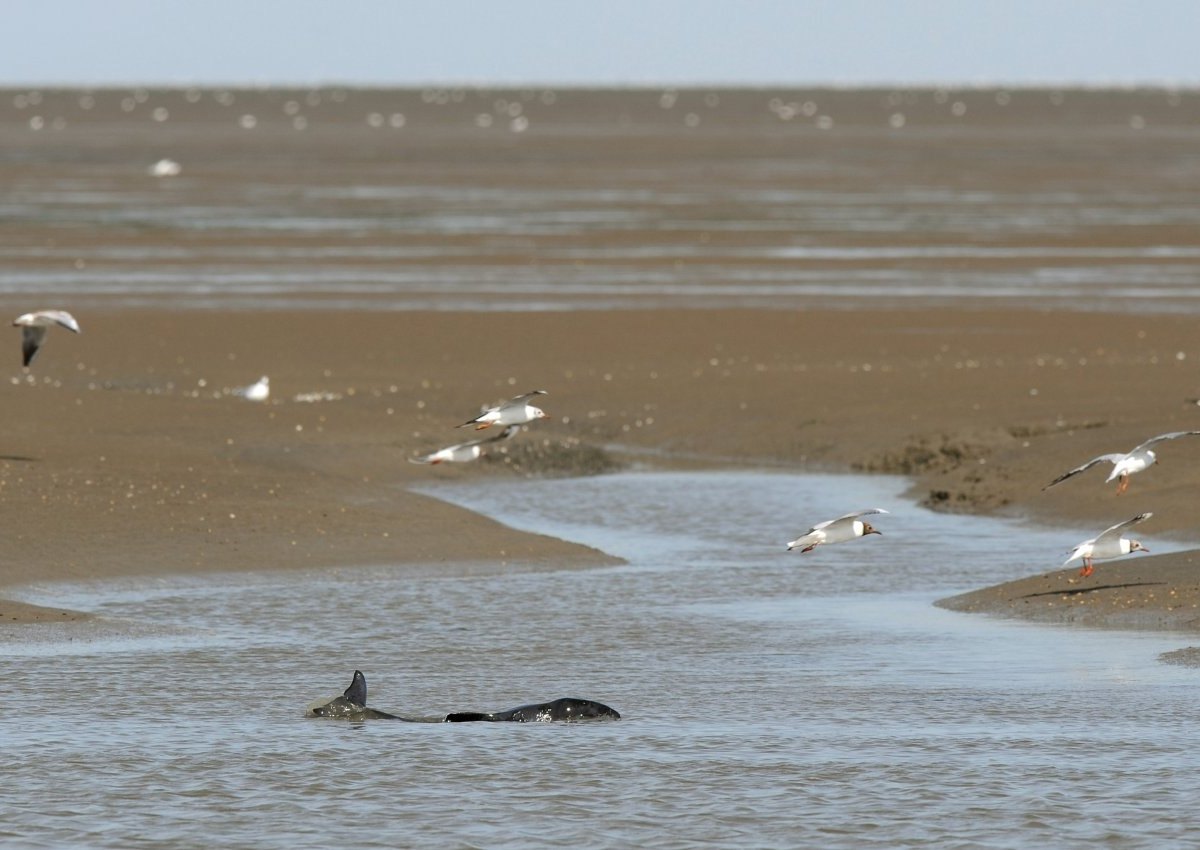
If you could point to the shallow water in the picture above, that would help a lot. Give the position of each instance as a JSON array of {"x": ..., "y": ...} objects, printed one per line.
[
  {"x": 769, "y": 699},
  {"x": 591, "y": 200}
]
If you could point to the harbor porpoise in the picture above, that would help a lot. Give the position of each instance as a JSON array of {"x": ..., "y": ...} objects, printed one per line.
[
  {"x": 565, "y": 708},
  {"x": 352, "y": 705}
]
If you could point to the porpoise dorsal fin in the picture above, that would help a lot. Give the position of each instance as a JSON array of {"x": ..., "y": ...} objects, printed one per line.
[{"x": 357, "y": 692}]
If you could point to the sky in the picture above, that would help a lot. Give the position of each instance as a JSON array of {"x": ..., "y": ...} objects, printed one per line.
[{"x": 602, "y": 42}]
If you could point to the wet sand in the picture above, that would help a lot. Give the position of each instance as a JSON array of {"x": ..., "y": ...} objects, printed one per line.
[
  {"x": 123, "y": 455},
  {"x": 1153, "y": 592}
]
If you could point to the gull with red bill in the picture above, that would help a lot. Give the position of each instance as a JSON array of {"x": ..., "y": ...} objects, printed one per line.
[
  {"x": 1108, "y": 544},
  {"x": 837, "y": 530},
  {"x": 1124, "y": 465}
]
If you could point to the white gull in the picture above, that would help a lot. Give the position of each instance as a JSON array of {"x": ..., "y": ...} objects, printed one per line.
[
  {"x": 465, "y": 452},
  {"x": 34, "y": 326},
  {"x": 1108, "y": 544},
  {"x": 515, "y": 411},
  {"x": 260, "y": 390},
  {"x": 1125, "y": 465},
  {"x": 837, "y": 530}
]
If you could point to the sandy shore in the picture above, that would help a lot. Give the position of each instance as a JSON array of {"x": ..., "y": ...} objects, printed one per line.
[
  {"x": 1154, "y": 592},
  {"x": 123, "y": 456}
]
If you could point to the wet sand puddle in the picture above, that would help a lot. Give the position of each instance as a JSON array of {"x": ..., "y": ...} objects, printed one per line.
[
  {"x": 769, "y": 699},
  {"x": 591, "y": 199}
]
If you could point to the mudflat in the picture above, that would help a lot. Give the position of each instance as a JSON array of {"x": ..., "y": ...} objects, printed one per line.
[
  {"x": 976, "y": 288},
  {"x": 126, "y": 454}
]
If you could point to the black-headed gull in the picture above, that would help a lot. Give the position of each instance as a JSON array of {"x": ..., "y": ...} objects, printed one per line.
[
  {"x": 34, "y": 326},
  {"x": 1108, "y": 544},
  {"x": 515, "y": 411},
  {"x": 837, "y": 530},
  {"x": 260, "y": 390},
  {"x": 1125, "y": 465},
  {"x": 464, "y": 452}
]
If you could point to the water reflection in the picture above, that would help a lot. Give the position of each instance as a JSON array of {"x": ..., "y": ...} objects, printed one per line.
[{"x": 769, "y": 699}]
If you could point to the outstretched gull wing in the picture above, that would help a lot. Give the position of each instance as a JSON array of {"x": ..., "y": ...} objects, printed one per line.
[
  {"x": 32, "y": 337},
  {"x": 1114, "y": 533},
  {"x": 851, "y": 516},
  {"x": 61, "y": 318},
  {"x": 1171, "y": 436},
  {"x": 507, "y": 434},
  {"x": 521, "y": 400},
  {"x": 1110, "y": 458}
]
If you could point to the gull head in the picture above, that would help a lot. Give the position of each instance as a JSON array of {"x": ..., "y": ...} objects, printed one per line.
[
  {"x": 537, "y": 412},
  {"x": 870, "y": 529},
  {"x": 1135, "y": 546}
]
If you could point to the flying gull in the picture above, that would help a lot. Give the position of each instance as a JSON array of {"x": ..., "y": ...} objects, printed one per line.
[
  {"x": 34, "y": 326},
  {"x": 1108, "y": 544},
  {"x": 1125, "y": 465},
  {"x": 464, "y": 452},
  {"x": 515, "y": 411},
  {"x": 836, "y": 531}
]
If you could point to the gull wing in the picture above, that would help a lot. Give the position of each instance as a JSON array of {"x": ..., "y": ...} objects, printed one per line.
[
  {"x": 1171, "y": 436},
  {"x": 1114, "y": 533},
  {"x": 1109, "y": 458},
  {"x": 521, "y": 400},
  {"x": 507, "y": 434},
  {"x": 32, "y": 338},
  {"x": 62, "y": 318},
  {"x": 821, "y": 525}
]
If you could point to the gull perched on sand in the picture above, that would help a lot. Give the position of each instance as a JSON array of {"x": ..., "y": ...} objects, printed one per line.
[
  {"x": 165, "y": 168},
  {"x": 515, "y": 411},
  {"x": 260, "y": 390},
  {"x": 1125, "y": 465},
  {"x": 34, "y": 326},
  {"x": 1108, "y": 544},
  {"x": 464, "y": 452},
  {"x": 836, "y": 531}
]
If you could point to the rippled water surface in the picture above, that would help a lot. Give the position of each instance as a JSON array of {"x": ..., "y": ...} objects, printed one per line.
[
  {"x": 538, "y": 200},
  {"x": 769, "y": 699}
]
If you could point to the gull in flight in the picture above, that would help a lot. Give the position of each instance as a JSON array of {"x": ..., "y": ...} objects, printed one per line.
[
  {"x": 1108, "y": 544},
  {"x": 836, "y": 531},
  {"x": 515, "y": 411},
  {"x": 464, "y": 452},
  {"x": 260, "y": 390},
  {"x": 1125, "y": 465},
  {"x": 34, "y": 326}
]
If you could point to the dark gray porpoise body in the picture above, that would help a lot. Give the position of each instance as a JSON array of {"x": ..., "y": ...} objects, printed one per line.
[
  {"x": 565, "y": 708},
  {"x": 352, "y": 705}
]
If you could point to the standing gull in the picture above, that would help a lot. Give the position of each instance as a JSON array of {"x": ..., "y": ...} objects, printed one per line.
[
  {"x": 34, "y": 326},
  {"x": 165, "y": 168},
  {"x": 464, "y": 452},
  {"x": 1108, "y": 544},
  {"x": 515, "y": 411},
  {"x": 1125, "y": 465},
  {"x": 836, "y": 531}
]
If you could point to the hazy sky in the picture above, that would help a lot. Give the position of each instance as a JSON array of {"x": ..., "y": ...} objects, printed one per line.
[{"x": 601, "y": 41}]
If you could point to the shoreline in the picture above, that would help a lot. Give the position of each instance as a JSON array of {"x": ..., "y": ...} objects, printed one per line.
[{"x": 129, "y": 441}]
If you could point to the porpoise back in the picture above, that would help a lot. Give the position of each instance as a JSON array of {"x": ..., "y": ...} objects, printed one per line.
[{"x": 568, "y": 709}]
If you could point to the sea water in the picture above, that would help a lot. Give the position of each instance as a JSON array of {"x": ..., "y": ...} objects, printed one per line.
[{"x": 768, "y": 698}]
